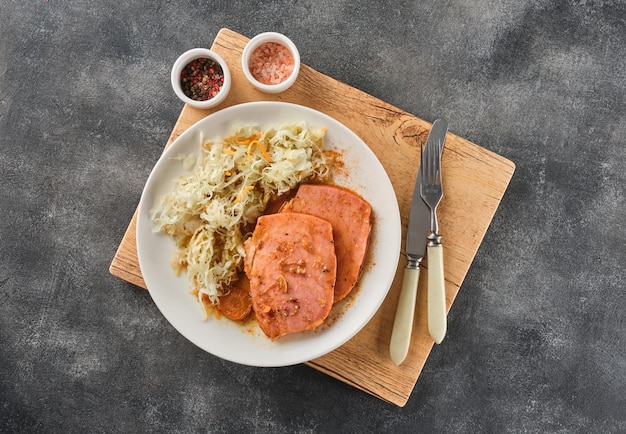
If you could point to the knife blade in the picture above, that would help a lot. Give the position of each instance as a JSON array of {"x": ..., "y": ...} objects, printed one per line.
[{"x": 419, "y": 226}]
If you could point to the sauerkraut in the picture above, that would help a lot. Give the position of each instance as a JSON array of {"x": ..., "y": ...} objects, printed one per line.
[{"x": 209, "y": 211}]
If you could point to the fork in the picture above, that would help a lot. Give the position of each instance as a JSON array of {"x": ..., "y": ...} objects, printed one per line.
[{"x": 431, "y": 191}]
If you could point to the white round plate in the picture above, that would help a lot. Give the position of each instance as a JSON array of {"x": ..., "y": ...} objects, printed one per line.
[{"x": 246, "y": 344}]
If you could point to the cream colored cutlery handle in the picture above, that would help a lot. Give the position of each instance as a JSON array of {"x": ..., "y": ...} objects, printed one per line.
[
  {"x": 436, "y": 294},
  {"x": 403, "y": 322}
]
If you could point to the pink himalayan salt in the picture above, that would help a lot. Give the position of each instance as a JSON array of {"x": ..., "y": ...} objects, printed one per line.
[{"x": 271, "y": 63}]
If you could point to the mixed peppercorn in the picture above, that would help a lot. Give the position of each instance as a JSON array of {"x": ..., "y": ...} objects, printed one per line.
[{"x": 202, "y": 79}]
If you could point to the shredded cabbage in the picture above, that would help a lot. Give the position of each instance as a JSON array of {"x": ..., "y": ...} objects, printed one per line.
[{"x": 209, "y": 210}]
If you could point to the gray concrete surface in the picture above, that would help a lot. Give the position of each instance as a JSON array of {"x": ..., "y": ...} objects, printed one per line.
[{"x": 537, "y": 336}]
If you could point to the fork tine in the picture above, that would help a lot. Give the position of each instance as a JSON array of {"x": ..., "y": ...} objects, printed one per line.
[
  {"x": 426, "y": 169},
  {"x": 426, "y": 164},
  {"x": 435, "y": 154},
  {"x": 429, "y": 165},
  {"x": 435, "y": 174},
  {"x": 423, "y": 168}
]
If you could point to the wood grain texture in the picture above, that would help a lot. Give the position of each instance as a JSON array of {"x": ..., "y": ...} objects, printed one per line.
[{"x": 474, "y": 180}]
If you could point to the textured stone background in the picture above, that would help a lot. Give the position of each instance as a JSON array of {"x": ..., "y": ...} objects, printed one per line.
[{"x": 537, "y": 336}]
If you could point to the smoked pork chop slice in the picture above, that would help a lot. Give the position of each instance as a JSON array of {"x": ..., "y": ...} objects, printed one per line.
[
  {"x": 350, "y": 217},
  {"x": 291, "y": 263}
]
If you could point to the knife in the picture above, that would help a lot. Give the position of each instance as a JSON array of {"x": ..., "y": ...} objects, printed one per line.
[{"x": 419, "y": 226}]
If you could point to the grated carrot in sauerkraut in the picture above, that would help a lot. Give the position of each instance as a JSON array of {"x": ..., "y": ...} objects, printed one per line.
[{"x": 209, "y": 210}]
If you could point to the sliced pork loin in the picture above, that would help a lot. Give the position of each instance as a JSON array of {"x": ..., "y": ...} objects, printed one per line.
[
  {"x": 291, "y": 263},
  {"x": 350, "y": 217}
]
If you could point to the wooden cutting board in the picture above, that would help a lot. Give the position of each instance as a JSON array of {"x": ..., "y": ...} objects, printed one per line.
[{"x": 474, "y": 180}]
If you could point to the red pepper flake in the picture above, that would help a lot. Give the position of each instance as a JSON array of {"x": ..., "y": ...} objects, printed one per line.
[
  {"x": 202, "y": 79},
  {"x": 271, "y": 63}
]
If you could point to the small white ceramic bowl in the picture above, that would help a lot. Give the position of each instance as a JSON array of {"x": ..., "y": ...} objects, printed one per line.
[
  {"x": 188, "y": 57},
  {"x": 247, "y": 61}
]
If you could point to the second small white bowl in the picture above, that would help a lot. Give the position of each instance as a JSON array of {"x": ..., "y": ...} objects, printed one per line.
[{"x": 247, "y": 61}]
